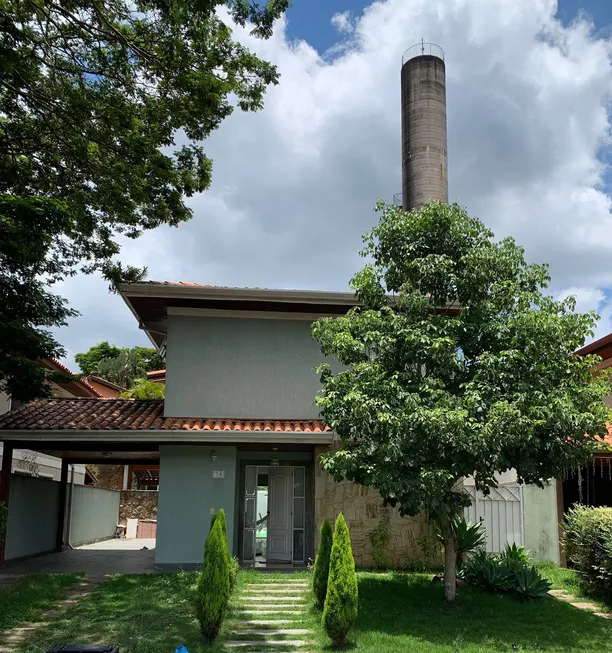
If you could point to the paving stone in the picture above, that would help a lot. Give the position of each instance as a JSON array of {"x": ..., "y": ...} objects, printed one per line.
[
  {"x": 558, "y": 592},
  {"x": 265, "y": 622},
  {"x": 273, "y": 631},
  {"x": 585, "y": 605},
  {"x": 567, "y": 597},
  {"x": 603, "y": 615},
  {"x": 283, "y": 612},
  {"x": 265, "y": 643}
]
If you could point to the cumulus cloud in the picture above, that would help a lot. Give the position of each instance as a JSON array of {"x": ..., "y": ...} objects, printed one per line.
[
  {"x": 294, "y": 185},
  {"x": 343, "y": 21}
]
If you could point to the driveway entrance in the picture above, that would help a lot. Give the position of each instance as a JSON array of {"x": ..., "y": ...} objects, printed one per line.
[{"x": 109, "y": 557}]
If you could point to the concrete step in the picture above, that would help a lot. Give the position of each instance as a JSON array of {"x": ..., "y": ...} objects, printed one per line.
[
  {"x": 265, "y": 622},
  {"x": 272, "y": 632},
  {"x": 290, "y": 643},
  {"x": 279, "y": 584},
  {"x": 258, "y": 612},
  {"x": 262, "y": 605}
]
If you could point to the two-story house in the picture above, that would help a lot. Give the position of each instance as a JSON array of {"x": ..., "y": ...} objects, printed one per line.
[{"x": 239, "y": 430}]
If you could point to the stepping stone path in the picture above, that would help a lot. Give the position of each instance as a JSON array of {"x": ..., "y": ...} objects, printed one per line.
[
  {"x": 581, "y": 605},
  {"x": 270, "y": 617},
  {"x": 13, "y": 639}
]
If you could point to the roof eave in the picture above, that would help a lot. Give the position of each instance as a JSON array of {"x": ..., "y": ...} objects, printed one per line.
[
  {"x": 245, "y": 294},
  {"x": 165, "y": 436}
]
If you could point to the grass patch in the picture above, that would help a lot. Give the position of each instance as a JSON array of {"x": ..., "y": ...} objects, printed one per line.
[
  {"x": 570, "y": 581},
  {"x": 406, "y": 612},
  {"x": 31, "y": 595},
  {"x": 398, "y": 612}
]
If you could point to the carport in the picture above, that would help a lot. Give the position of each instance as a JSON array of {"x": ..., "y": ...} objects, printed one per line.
[
  {"x": 101, "y": 559},
  {"x": 74, "y": 442}
]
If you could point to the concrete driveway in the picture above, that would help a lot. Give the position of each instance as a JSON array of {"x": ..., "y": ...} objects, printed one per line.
[{"x": 108, "y": 557}]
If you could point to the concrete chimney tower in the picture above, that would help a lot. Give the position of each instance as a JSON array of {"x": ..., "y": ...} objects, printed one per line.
[{"x": 424, "y": 157}]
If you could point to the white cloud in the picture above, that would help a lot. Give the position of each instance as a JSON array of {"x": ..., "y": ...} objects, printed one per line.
[
  {"x": 343, "y": 21},
  {"x": 294, "y": 185}
]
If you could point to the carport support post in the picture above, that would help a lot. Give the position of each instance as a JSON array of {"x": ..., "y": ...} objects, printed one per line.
[
  {"x": 5, "y": 487},
  {"x": 61, "y": 512}
]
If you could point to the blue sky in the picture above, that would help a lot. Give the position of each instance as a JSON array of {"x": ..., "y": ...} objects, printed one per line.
[
  {"x": 294, "y": 185},
  {"x": 311, "y": 19}
]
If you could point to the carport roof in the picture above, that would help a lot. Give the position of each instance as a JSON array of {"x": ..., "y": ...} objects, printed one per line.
[{"x": 135, "y": 415}]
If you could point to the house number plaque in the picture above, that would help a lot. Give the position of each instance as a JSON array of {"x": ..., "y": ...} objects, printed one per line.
[{"x": 218, "y": 473}]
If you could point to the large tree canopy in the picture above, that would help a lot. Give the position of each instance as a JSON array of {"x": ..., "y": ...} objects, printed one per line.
[
  {"x": 92, "y": 94},
  {"x": 456, "y": 364}
]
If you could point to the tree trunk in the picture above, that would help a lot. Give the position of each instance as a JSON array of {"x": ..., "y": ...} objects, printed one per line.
[{"x": 450, "y": 558}]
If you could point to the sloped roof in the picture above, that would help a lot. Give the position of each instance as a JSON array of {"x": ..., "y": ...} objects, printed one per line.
[{"x": 136, "y": 415}]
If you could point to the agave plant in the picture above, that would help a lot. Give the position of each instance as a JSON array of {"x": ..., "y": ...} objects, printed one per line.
[
  {"x": 470, "y": 537},
  {"x": 518, "y": 553},
  {"x": 529, "y": 584}
]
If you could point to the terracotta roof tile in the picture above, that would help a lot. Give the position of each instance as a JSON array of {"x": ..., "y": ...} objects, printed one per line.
[{"x": 133, "y": 415}]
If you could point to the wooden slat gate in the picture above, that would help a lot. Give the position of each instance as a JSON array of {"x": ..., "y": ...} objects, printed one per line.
[{"x": 501, "y": 513}]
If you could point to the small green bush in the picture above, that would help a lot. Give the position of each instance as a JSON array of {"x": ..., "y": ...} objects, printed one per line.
[
  {"x": 233, "y": 563},
  {"x": 588, "y": 544},
  {"x": 321, "y": 568},
  {"x": 3, "y": 519},
  {"x": 340, "y": 610},
  {"x": 507, "y": 572},
  {"x": 213, "y": 589}
]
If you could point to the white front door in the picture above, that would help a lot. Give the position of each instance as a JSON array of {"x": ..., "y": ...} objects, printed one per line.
[{"x": 280, "y": 487}]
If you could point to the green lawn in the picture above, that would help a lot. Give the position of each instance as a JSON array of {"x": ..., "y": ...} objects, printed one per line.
[
  {"x": 568, "y": 580},
  {"x": 398, "y": 613},
  {"x": 32, "y": 595}
]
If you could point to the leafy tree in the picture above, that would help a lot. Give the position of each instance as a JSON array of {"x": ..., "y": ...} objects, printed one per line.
[
  {"x": 88, "y": 361},
  {"x": 456, "y": 364},
  {"x": 92, "y": 94},
  {"x": 340, "y": 610},
  {"x": 143, "y": 389},
  {"x": 149, "y": 358},
  {"x": 321, "y": 569},
  {"x": 122, "y": 369},
  {"x": 213, "y": 590}
]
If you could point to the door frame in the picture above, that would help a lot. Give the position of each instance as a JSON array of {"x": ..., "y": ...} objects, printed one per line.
[{"x": 308, "y": 502}]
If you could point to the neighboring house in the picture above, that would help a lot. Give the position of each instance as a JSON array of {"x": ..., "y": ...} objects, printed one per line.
[
  {"x": 238, "y": 430},
  {"x": 591, "y": 485},
  {"x": 39, "y": 464},
  {"x": 157, "y": 376},
  {"x": 103, "y": 387}
]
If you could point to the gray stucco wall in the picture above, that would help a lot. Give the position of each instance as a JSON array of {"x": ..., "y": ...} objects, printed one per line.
[
  {"x": 187, "y": 493},
  {"x": 241, "y": 367},
  {"x": 33, "y": 512},
  {"x": 94, "y": 514}
]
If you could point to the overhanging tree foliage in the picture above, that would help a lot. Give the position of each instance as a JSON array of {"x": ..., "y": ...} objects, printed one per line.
[
  {"x": 457, "y": 364},
  {"x": 92, "y": 93}
]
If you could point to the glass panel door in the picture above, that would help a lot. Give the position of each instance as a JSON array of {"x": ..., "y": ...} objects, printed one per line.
[
  {"x": 250, "y": 513},
  {"x": 299, "y": 497}
]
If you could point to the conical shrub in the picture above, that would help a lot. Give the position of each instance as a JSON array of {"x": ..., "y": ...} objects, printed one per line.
[
  {"x": 321, "y": 569},
  {"x": 213, "y": 586},
  {"x": 340, "y": 610},
  {"x": 232, "y": 563}
]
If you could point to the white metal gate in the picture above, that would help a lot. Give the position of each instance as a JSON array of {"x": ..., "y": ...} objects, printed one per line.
[{"x": 501, "y": 514}]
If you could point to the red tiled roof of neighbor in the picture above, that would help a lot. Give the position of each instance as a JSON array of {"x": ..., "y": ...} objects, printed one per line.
[
  {"x": 54, "y": 363},
  {"x": 156, "y": 375},
  {"x": 135, "y": 415}
]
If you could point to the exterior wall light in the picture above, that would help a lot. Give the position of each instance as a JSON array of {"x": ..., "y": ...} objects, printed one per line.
[{"x": 213, "y": 455}]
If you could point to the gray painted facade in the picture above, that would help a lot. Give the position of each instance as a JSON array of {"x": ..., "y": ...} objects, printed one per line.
[
  {"x": 187, "y": 494},
  {"x": 94, "y": 514},
  {"x": 241, "y": 367},
  {"x": 33, "y": 514}
]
